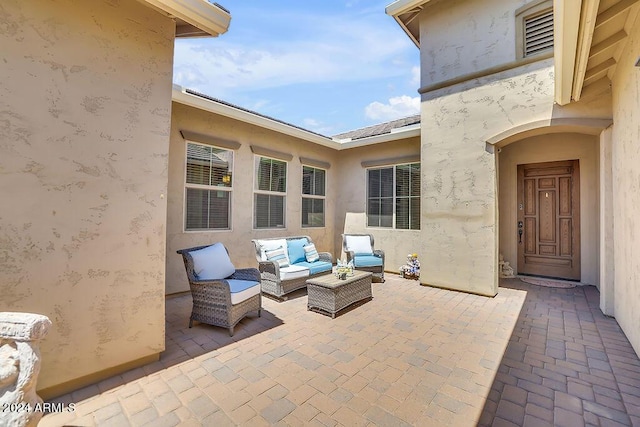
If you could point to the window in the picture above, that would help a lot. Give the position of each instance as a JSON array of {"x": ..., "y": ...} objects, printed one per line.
[
  {"x": 393, "y": 197},
  {"x": 269, "y": 193},
  {"x": 534, "y": 22},
  {"x": 313, "y": 195},
  {"x": 208, "y": 187}
]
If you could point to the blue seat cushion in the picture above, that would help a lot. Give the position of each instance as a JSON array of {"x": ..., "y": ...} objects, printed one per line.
[
  {"x": 242, "y": 289},
  {"x": 295, "y": 248},
  {"x": 315, "y": 267},
  {"x": 367, "y": 261}
]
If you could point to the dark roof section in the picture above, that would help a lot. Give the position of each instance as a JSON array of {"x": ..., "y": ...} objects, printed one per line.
[
  {"x": 219, "y": 6},
  {"x": 228, "y": 104},
  {"x": 379, "y": 129}
]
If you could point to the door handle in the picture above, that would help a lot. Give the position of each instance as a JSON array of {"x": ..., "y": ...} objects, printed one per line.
[{"x": 520, "y": 231}]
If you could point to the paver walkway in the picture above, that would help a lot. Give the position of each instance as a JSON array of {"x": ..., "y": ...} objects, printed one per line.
[{"x": 413, "y": 355}]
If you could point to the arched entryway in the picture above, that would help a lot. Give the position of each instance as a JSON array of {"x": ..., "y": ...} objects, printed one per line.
[{"x": 548, "y": 199}]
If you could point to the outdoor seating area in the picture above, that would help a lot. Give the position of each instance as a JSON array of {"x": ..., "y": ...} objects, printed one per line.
[
  {"x": 285, "y": 264},
  {"x": 414, "y": 355}
]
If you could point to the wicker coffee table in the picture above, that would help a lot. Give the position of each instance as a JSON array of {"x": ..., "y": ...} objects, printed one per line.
[{"x": 328, "y": 294}]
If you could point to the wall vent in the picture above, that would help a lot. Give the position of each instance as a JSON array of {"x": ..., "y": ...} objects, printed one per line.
[{"x": 538, "y": 33}]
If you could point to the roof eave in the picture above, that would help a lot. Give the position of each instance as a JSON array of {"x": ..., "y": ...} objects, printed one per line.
[
  {"x": 395, "y": 134},
  {"x": 400, "y": 7},
  {"x": 206, "y": 16},
  {"x": 180, "y": 95},
  {"x": 566, "y": 17}
]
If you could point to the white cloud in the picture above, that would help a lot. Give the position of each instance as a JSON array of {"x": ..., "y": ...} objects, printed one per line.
[
  {"x": 318, "y": 126},
  {"x": 311, "y": 122},
  {"x": 318, "y": 49},
  {"x": 396, "y": 108}
]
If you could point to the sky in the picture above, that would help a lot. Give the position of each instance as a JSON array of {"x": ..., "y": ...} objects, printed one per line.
[{"x": 328, "y": 66}]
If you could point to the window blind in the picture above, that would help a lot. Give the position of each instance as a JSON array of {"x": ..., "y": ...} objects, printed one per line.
[
  {"x": 208, "y": 208},
  {"x": 269, "y": 199},
  {"x": 394, "y": 192},
  {"x": 312, "y": 212},
  {"x": 313, "y": 181},
  {"x": 269, "y": 211}
]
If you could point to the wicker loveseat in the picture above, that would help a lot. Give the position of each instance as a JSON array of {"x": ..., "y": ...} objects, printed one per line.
[
  {"x": 221, "y": 301},
  {"x": 359, "y": 249},
  {"x": 284, "y": 264}
]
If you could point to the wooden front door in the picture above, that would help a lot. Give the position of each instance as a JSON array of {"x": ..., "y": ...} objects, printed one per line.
[{"x": 549, "y": 219}]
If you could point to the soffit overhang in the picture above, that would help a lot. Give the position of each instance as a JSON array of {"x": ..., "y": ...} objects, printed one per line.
[
  {"x": 406, "y": 12},
  {"x": 194, "y": 18},
  {"x": 590, "y": 38}
]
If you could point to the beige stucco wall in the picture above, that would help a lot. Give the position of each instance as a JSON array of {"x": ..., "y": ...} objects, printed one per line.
[
  {"x": 460, "y": 212},
  {"x": 607, "y": 253},
  {"x": 238, "y": 239},
  {"x": 351, "y": 202},
  {"x": 546, "y": 148},
  {"x": 626, "y": 187},
  {"x": 459, "y": 37},
  {"x": 84, "y": 110}
]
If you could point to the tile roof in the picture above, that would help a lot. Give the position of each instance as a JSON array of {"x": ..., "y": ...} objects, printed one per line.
[{"x": 379, "y": 129}]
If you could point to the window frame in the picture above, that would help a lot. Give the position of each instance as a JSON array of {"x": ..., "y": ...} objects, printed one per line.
[
  {"x": 314, "y": 197},
  {"x": 528, "y": 11},
  {"x": 187, "y": 185},
  {"x": 256, "y": 191},
  {"x": 394, "y": 198}
]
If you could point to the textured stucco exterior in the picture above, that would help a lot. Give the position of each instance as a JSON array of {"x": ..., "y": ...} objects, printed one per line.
[
  {"x": 352, "y": 201},
  {"x": 607, "y": 253},
  {"x": 476, "y": 90},
  {"x": 85, "y": 113},
  {"x": 461, "y": 37},
  {"x": 550, "y": 148},
  {"x": 238, "y": 239},
  {"x": 464, "y": 125},
  {"x": 626, "y": 187},
  {"x": 345, "y": 205},
  {"x": 459, "y": 174}
]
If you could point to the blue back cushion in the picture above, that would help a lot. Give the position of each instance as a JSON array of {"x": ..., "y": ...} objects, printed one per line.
[
  {"x": 212, "y": 263},
  {"x": 296, "y": 250}
]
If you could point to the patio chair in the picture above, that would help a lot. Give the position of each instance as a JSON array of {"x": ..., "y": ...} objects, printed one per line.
[
  {"x": 359, "y": 248},
  {"x": 222, "y": 295}
]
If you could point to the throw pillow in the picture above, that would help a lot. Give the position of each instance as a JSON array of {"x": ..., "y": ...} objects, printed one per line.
[
  {"x": 212, "y": 263},
  {"x": 296, "y": 251},
  {"x": 310, "y": 253},
  {"x": 359, "y": 245},
  {"x": 278, "y": 255},
  {"x": 269, "y": 244}
]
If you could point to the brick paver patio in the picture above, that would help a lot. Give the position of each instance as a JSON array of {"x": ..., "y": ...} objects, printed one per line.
[{"x": 414, "y": 355}]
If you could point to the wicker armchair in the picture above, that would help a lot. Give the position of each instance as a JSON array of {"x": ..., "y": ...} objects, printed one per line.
[
  {"x": 364, "y": 259},
  {"x": 212, "y": 299}
]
